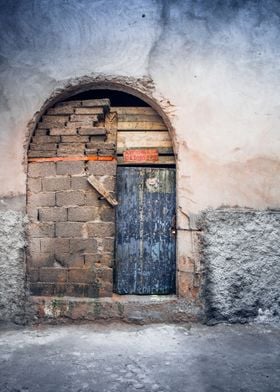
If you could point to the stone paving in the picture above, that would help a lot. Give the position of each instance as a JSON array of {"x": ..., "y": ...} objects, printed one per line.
[{"x": 154, "y": 358}]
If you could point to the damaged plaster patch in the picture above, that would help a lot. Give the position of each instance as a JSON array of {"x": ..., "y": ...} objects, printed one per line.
[
  {"x": 12, "y": 268},
  {"x": 241, "y": 260}
]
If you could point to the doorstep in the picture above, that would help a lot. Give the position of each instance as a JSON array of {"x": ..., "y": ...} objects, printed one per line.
[{"x": 129, "y": 308}]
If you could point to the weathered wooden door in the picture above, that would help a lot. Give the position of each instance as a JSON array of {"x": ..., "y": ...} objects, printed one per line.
[{"x": 145, "y": 239}]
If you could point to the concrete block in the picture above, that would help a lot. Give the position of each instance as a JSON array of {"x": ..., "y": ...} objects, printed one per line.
[
  {"x": 61, "y": 131},
  {"x": 42, "y": 139},
  {"x": 43, "y": 147},
  {"x": 56, "y": 183},
  {"x": 107, "y": 213},
  {"x": 96, "y": 102},
  {"x": 53, "y": 275},
  {"x": 92, "y": 110},
  {"x": 41, "y": 154},
  {"x": 54, "y": 245},
  {"x": 82, "y": 214},
  {"x": 53, "y": 214},
  {"x": 33, "y": 275},
  {"x": 108, "y": 168},
  {"x": 108, "y": 245},
  {"x": 74, "y": 139},
  {"x": 93, "y": 131},
  {"x": 81, "y": 275},
  {"x": 41, "y": 132},
  {"x": 34, "y": 245},
  {"x": 80, "y": 183},
  {"x": 41, "y": 199},
  {"x": 69, "y": 229},
  {"x": 70, "y": 167},
  {"x": 34, "y": 185},
  {"x": 84, "y": 118},
  {"x": 93, "y": 198},
  {"x": 41, "y": 169},
  {"x": 100, "y": 230},
  {"x": 38, "y": 260},
  {"x": 70, "y": 198},
  {"x": 79, "y": 245},
  {"x": 42, "y": 289},
  {"x": 36, "y": 230}
]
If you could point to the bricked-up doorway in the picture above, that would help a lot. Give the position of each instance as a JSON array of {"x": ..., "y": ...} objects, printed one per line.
[{"x": 71, "y": 234}]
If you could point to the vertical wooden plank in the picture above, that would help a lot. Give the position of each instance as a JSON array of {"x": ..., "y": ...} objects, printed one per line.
[{"x": 145, "y": 246}]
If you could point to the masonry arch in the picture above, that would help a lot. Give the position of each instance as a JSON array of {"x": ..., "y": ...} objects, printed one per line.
[{"x": 50, "y": 183}]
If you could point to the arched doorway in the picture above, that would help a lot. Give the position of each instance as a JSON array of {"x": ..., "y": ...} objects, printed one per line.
[{"x": 87, "y": 152}]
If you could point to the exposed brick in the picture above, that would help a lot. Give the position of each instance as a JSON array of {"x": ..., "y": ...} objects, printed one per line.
[
  {"x": 53, "y": 275},
  {"x": 82, "y": 214},
  {"x": 75, "y": 139},
  {"x": 69, "y": 229},
  {"x": 81, "y": 275},
  {"x": 54, "y": 245},
  {"x": 36, "y": 230},
  {"x": 70, "y": 198},
  {"x": 102, "y": 168},
  {"x": 36, "y": 260},
  {"x": 41, "y": 169},
  {"x": 70, "y": 167},
  {"x": 41, "y": 199},
  {"x": 80, "y": 183},
  {"x": 56, "y": 183},
  {"x": 63, "y": 131},
  {"x": 107, "y": 214},
  {"x": 69, "y": 104},
  {"x": 79, "y": 245},
  {"x": 100, "y": 229},
  {"x": 106, "y": 152},
  {"x": 54, "y": 214},
  {"x": 43, "y": 147},
  {"x": 34, "y": 185}
]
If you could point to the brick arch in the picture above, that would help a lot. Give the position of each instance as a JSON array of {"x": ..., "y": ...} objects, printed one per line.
[{"x": 71, "y": 230}]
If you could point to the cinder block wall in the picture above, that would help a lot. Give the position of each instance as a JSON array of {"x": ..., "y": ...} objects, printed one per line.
[{"x": 71, "y": 229}]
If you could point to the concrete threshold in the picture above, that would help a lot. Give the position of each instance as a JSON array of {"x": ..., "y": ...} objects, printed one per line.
[{"x": 129, "y": 308}]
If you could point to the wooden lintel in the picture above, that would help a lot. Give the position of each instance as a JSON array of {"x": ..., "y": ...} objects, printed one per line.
[{"x": 102, "y": 190}]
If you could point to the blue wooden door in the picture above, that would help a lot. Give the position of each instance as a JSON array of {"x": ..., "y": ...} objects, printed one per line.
[{"x": 145, "y": 243}]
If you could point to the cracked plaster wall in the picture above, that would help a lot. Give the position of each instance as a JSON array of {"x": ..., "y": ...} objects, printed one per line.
[{"x": 212, "y": 66}]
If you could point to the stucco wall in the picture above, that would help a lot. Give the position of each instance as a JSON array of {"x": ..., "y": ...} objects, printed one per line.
[
  {"x": 211, "y": 66},
  {"x": 216, "y": 63},
  {"x": 240, "y": 259}
]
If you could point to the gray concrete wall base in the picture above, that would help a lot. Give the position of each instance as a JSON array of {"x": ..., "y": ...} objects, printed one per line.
[{"x": 12, "y": 267}]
